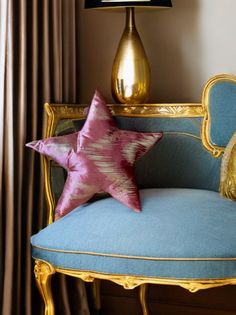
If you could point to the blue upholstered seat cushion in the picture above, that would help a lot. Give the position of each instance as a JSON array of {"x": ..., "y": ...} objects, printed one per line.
[{"x": 181, "y": 233}]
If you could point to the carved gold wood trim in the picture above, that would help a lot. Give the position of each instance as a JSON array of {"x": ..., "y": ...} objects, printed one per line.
[
  {"x": 158, "y": 110},
  {"x": 215, "y": 150},
  {"x": 50, "y": 126},
  {"x": 131, "y": 282},
  {"x": 73, "y": 111},
  {"x": 228, "y": 170},
  {"x": 43, "y": 272},
  {"x": 50, "y": 201}
]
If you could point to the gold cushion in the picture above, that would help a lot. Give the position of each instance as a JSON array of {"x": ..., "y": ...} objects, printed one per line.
[{"x": 228, "y": 170}]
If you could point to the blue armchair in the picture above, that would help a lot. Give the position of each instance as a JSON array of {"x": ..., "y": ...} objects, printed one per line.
[{"x": 185, "y": 234}]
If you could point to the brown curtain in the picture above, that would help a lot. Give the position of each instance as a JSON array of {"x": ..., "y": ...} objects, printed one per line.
[{"x": 38, "y": 63}]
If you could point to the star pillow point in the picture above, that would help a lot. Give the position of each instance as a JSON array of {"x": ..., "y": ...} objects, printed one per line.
[{"x": 100, "y": 157}]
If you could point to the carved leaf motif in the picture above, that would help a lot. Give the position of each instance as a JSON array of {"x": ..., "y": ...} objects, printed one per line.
[
  {"x": 172, "y": 110},
  {"x": 73, "y": 110},
  {"x": 42, "y": 269},
  {"x": 159, "y": 110}
]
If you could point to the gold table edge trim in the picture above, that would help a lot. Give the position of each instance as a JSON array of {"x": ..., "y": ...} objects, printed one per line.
[{"x": 175, "y": 110}]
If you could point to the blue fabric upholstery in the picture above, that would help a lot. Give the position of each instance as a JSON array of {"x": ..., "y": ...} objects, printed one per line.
[
  {"x": 197, "y": 226},
  {"x": 187, "y": 125},
  {"x": 222, "y": 107},
  {"x": 178, "y": 161},
  {"x": 149, "y": 124}
]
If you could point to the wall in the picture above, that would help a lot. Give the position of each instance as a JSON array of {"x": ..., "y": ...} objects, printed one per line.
[{"x": 186, "y": 45}]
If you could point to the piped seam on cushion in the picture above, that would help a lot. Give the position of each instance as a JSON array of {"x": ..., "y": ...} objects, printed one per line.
[
  {"x": 60, "y": 269},
  {"x": 134, "y": 257},
  {"x": 180, "y": 133}
]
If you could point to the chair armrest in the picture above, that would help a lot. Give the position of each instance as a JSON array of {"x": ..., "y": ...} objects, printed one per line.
[{"x": 228, "y": 170}]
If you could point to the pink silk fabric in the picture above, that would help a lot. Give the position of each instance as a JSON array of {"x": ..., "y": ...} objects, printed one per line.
[{"x": 100, "y": 157}]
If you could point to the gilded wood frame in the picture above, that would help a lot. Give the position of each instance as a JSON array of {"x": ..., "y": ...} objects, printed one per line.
[{"x": 206, "y": 139}]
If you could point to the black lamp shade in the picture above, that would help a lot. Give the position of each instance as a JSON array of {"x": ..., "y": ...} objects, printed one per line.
[{"x": 92, "y": 4}]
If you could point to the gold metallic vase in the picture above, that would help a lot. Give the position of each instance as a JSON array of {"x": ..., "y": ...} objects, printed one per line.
[{"x": 131, "y": 72}]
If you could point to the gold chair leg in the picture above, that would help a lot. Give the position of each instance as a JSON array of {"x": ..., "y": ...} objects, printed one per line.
[
  {"x": 142, "y": 298},
  {"x": 43, "y": 272},
  {"x": 96, "y": 285}
]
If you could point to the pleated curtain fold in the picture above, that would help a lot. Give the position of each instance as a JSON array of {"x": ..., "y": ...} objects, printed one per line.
[{"x": 39, "y": 62}]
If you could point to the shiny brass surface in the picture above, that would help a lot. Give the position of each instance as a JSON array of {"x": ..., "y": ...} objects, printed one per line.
[
  {"x": 43, "y": 272},
  {"x": 228, "y": 170},
  {"x": 143, "y": 298},
  {"x": 215, "y": 150},
  {"x": 130, "y": 81}
]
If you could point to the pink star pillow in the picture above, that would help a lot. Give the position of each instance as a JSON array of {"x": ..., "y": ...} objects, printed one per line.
[{"x": 100, "y": 157}]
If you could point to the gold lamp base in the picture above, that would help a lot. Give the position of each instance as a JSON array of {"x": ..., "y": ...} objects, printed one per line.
[{"x": 131, "y": 72}]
